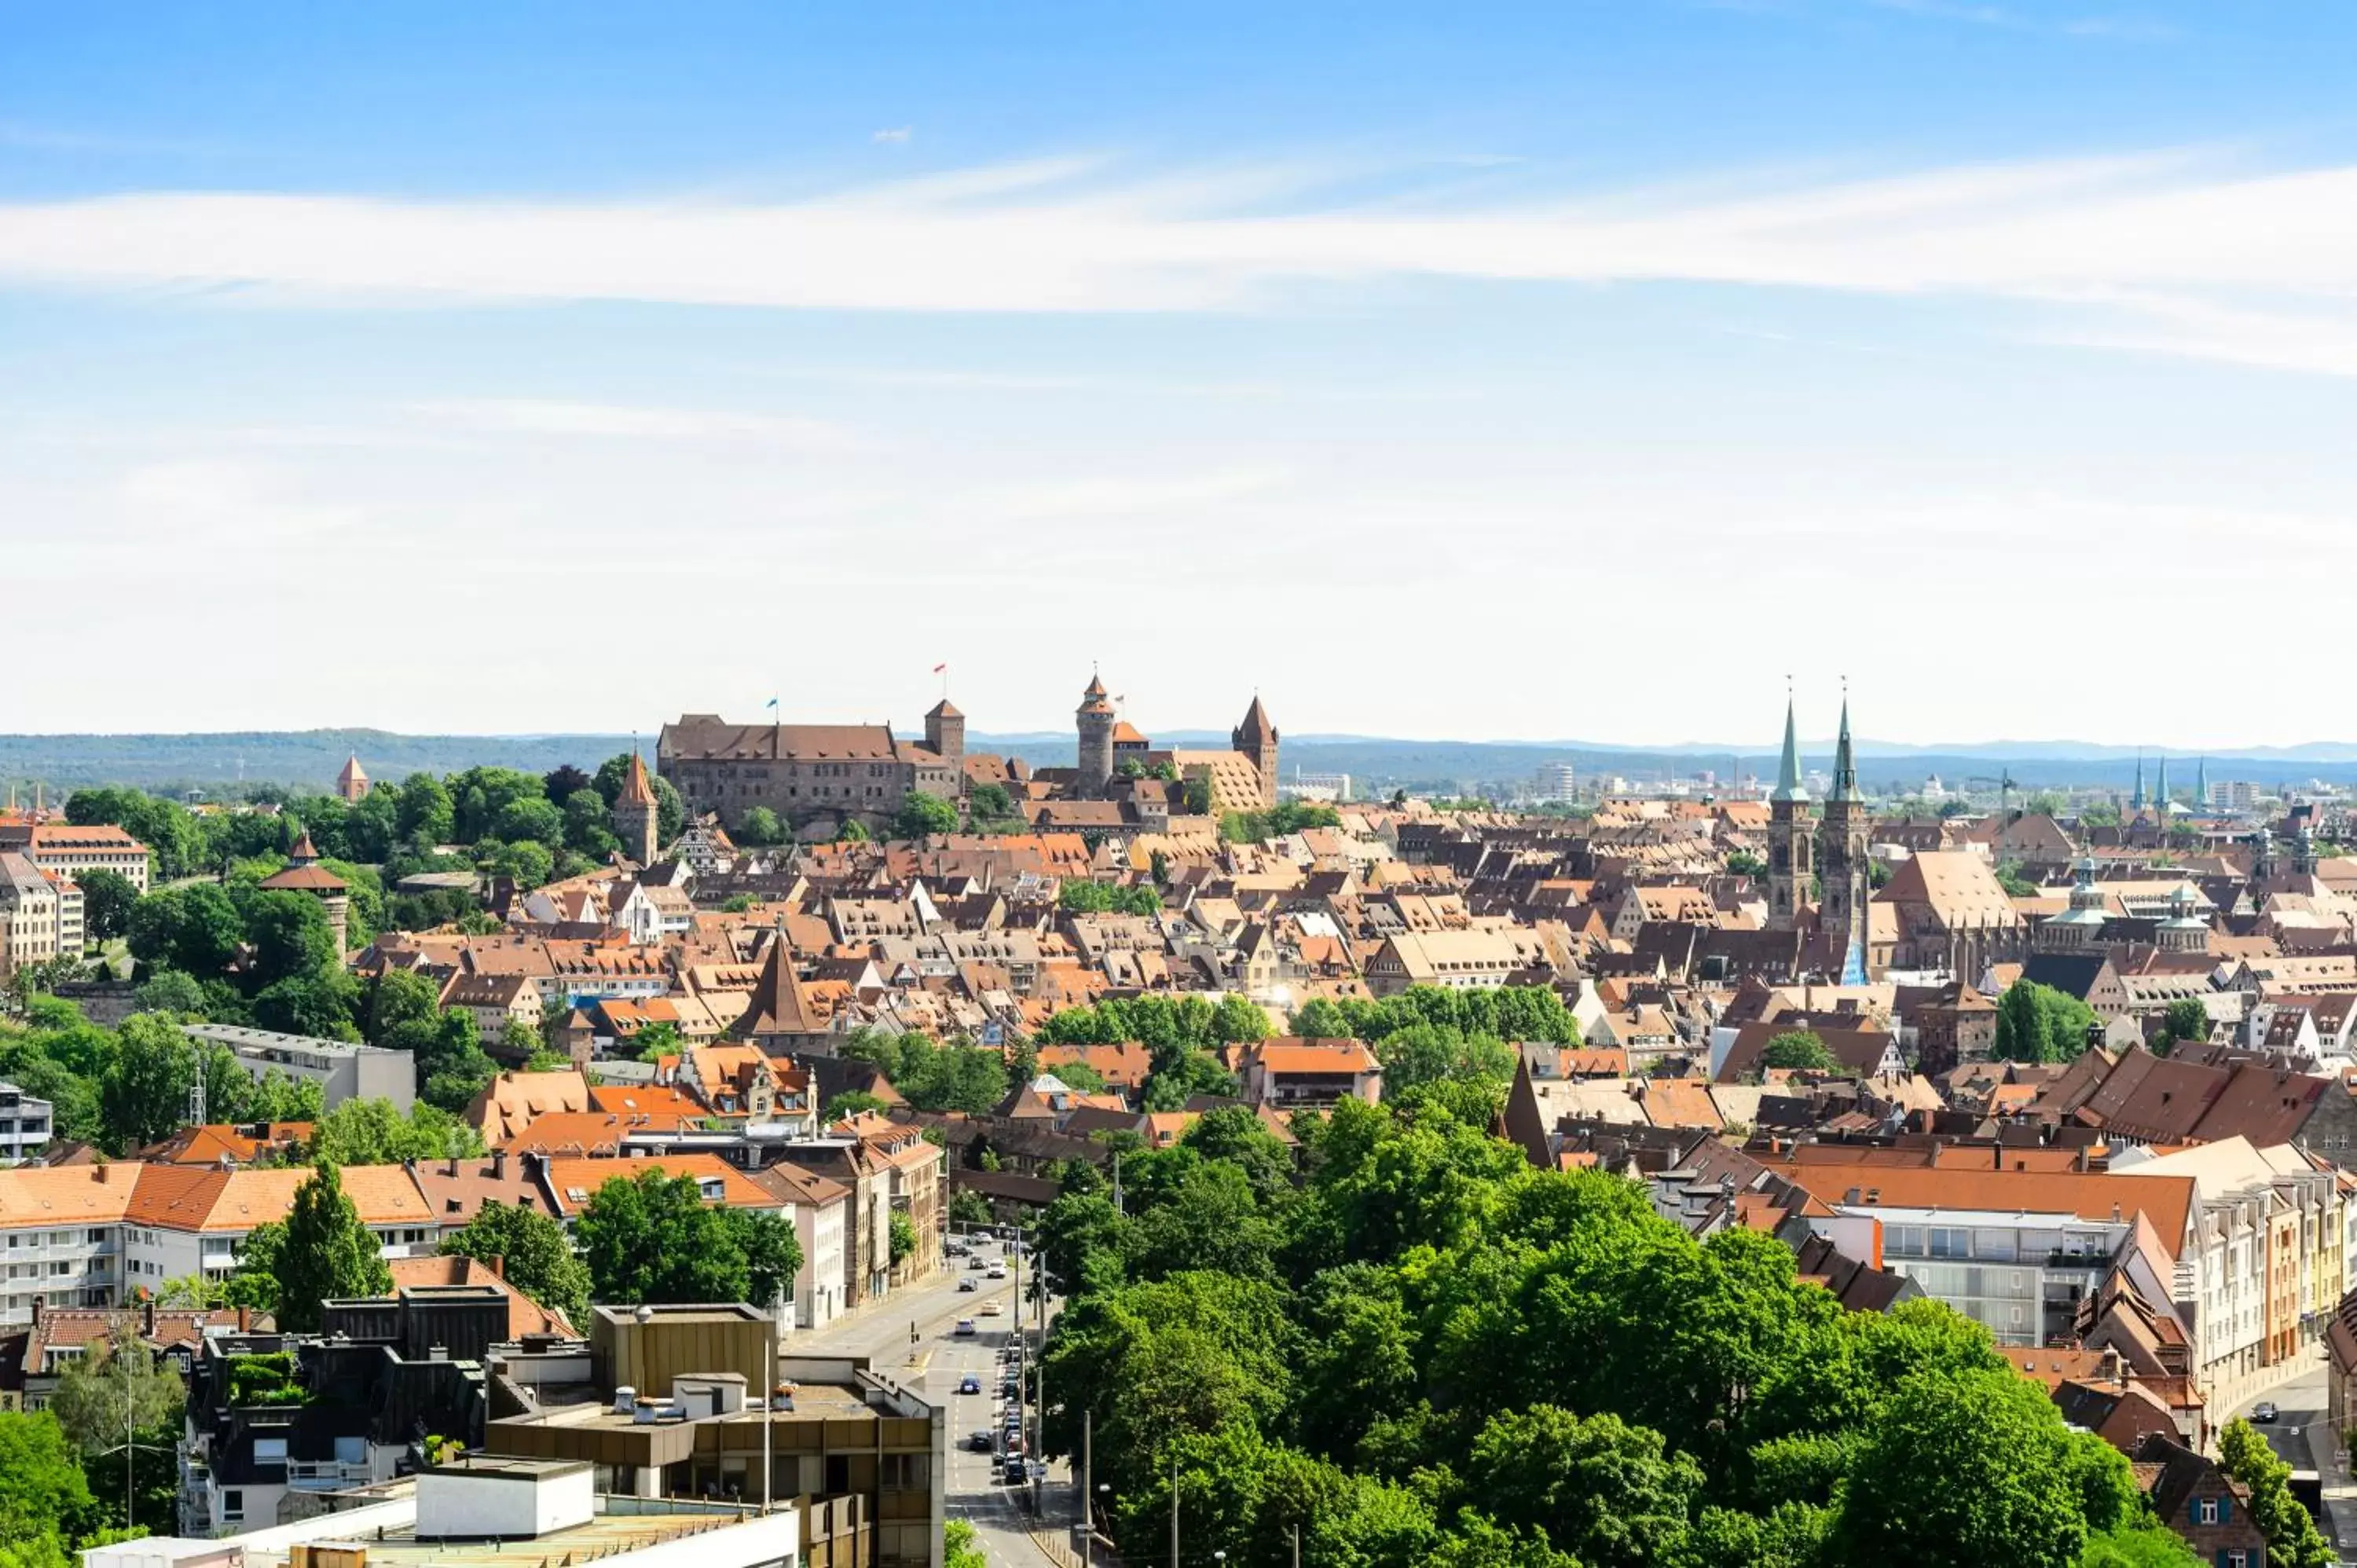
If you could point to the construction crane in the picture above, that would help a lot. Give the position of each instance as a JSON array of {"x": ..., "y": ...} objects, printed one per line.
[{"x": 2006, "y": 785}]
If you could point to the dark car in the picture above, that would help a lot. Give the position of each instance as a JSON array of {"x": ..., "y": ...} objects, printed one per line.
[
  {"x": 979, "y": 1441},
  {"x": 969, "y": 1384},
  {"x": 2264, "y": 1412},
  {"x": 969, "y": 1283}
]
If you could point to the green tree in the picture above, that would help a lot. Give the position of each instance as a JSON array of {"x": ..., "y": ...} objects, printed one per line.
[
  {"x": 326, "y": 1252},
  {"x": 904, "y": 1236},
  {"x": 106, "y": 900},
  {"x": 169, "y": 991},
  {"x": 2017, "y": 885},
  {"x": 758, "y": 826},
  {"x": 1798, "y": 1050},
  {"x": 537, "y": 1257},
  {"x": 1971, "y": 1469},
  {"x": 2186, "y": 1019},
  {"x": 2145, "y": 1543},
  {"x": 372, "y": 1133},
  {"x": 653, "y": 1239},
  {"x": 960, "y": 1548},
  {"x": 2039, "y": 1024},
  {"x": 120, "y": 1405},
  {"x": 2293, "y": 1540},
  {"x": 852, "y": 830},
  {"x": 291, "y": 937},
  {"x": 922, "y": 815},
  {"x": 195, "y": 930},
  {"x": 145, "y": 1095},
  {"x": 45, "y": 1503},
  {"x": 990, "y": 801},
  {"x": 1743, "y": 862},
  {"x": 1603, "y": 1490},
  {"x": 850, "y": 1102},
  {"x": 426, "y": 815}
]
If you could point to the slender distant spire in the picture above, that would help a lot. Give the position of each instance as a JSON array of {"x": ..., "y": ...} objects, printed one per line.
[
  {"x": 2201, "y": 785},
  {"x": 2137, "y": 804},
  {"x": 1788, "y": 770},
  {"x": 2160, "y": 788},
  {"x": 1844, "y": 762}
]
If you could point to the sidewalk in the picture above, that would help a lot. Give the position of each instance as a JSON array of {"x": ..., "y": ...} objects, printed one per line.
[{"x": 2330, "y": 1457}]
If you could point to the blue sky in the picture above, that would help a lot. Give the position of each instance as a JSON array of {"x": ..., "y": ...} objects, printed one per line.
[{"x": 1481, "y": 371}]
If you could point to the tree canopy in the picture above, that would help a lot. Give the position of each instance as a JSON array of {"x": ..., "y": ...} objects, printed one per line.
[
  {"x": 322, "y": 1253},
  {"x": 2039, "y": 1024},
  {"x": 536, "y": 1256},
  {"x": 653, "y": 1238},
  {"x": 1426, "y": 1351}
]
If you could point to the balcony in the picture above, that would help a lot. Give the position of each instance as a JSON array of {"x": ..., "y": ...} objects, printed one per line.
[{"x": 326, "y": 1475}]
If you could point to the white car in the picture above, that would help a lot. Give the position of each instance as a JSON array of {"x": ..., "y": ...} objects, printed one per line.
[{"x": 990, "y": 1308}]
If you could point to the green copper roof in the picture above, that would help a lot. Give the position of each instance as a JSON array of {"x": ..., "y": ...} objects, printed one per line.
[{"x": 1788, "y": 770}]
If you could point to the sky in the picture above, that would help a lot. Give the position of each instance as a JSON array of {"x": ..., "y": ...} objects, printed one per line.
[{"x": 1478, "y": 370}]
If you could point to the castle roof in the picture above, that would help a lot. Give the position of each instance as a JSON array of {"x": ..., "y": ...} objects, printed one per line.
[
  {"x": 636, "y": 789},
  {"x": 1255, "y": 726},
  {"x": 942, "y": 710}
]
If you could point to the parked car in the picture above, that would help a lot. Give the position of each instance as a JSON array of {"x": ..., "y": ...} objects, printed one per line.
[{"x": 965, "y": 1327}]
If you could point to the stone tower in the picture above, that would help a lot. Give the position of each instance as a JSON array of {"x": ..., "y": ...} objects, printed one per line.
[
  {"x": 352, "y": 783},
  {"x": 1256, "y": 738},
  {"x": 1095, "y": 719},
  {"x": 945, "y": 734},
  {"x": 1843, "y": 856},
  {"x": 1789, "y": 840},
  {"x": 637, "y": 813}
]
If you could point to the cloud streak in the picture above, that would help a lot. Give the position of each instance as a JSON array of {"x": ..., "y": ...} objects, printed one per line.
[{"x": 2145, "y": 252}]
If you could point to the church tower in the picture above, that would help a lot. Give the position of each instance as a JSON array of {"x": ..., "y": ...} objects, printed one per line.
[
  {"x": 1788, "y": 835},
  {"x": 637, "y": 813},
  {"x": 1095, "y": 721},
  {"x": 1256, "y": 738},
  {"x": 1843, "y": 855}
]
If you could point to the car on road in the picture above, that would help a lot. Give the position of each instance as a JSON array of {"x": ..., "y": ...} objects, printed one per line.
[
  {"x": 998, "y": 1271},
  {"x": 993, "y": 1307},
  {"x": 970, "y": 1384},
  {"x": 979, "y": 1441},
  {"x": 965, "y": 1327},
  {"x": 974, "y": 1262},
  {"x": 969, "y": 1283},
  {"x": 2264, "y": 1412}
]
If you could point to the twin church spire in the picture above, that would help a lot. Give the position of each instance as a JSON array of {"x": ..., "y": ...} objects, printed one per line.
[{"x": 1822, "y": 861}]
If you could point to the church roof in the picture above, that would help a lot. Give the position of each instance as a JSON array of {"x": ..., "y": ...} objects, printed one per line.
[
  {"x": 779, "y": 1005},
  {"x": 352, "y": 773},
  {"x": 1788, "y": 770},
  {"x": 636, "y": 790},
  {"x": 1845, "y": 763}
]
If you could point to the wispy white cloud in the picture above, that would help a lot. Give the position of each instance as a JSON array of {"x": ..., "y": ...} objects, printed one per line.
[
  {"x": 2136, "y": 247},
  {"x": 602, "y": 421},
  {"x": 895, "y": 135}
]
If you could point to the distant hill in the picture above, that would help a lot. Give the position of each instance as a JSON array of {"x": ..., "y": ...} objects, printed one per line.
[{"x": 310, "y": 759}]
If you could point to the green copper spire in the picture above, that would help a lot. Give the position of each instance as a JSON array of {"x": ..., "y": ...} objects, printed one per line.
[
  {"x": 2137, "y": 804},
  {"x": 2201, "y": 785},
  {"x": 1788, "y": 770},
  {"x": 1845, "y": 763},
  {"x": 2161, "y": 789}
]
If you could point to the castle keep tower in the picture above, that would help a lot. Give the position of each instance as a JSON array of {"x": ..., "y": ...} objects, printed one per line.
[
  {"x": 637, "y": 813},
  {"x": 1256, "y": 739},
  {"x": 1095, "y": 719},
  {"x": 945, "y": 734}
]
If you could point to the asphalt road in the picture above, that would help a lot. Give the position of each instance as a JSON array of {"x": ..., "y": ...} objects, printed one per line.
[
  {"x": 2302, "y": 1402},
  {"x": 933, "y": 1364}
]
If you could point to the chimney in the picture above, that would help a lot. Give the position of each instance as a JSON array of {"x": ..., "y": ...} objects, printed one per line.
[
  {"x": 498, "y": 1165},
  {"x": 244, "y": 1318},
  {"x": 499, "y": 1265},
  {"x": 148, "y": 1317}
]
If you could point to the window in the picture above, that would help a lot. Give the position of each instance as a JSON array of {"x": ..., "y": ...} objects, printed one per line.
[
  {"x": 233, "y": 1504},
  {"x": 270, "y": 1451},
  {"x": 2205, "y": 1510}
]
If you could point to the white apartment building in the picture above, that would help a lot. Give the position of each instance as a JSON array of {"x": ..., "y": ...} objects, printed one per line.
[
  {"x": 26, "y": 1121},
  {"x": 343, "y": 1072},
  {"x": 87, "y": 1235},
  {"x": 28, "y": 914}
]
